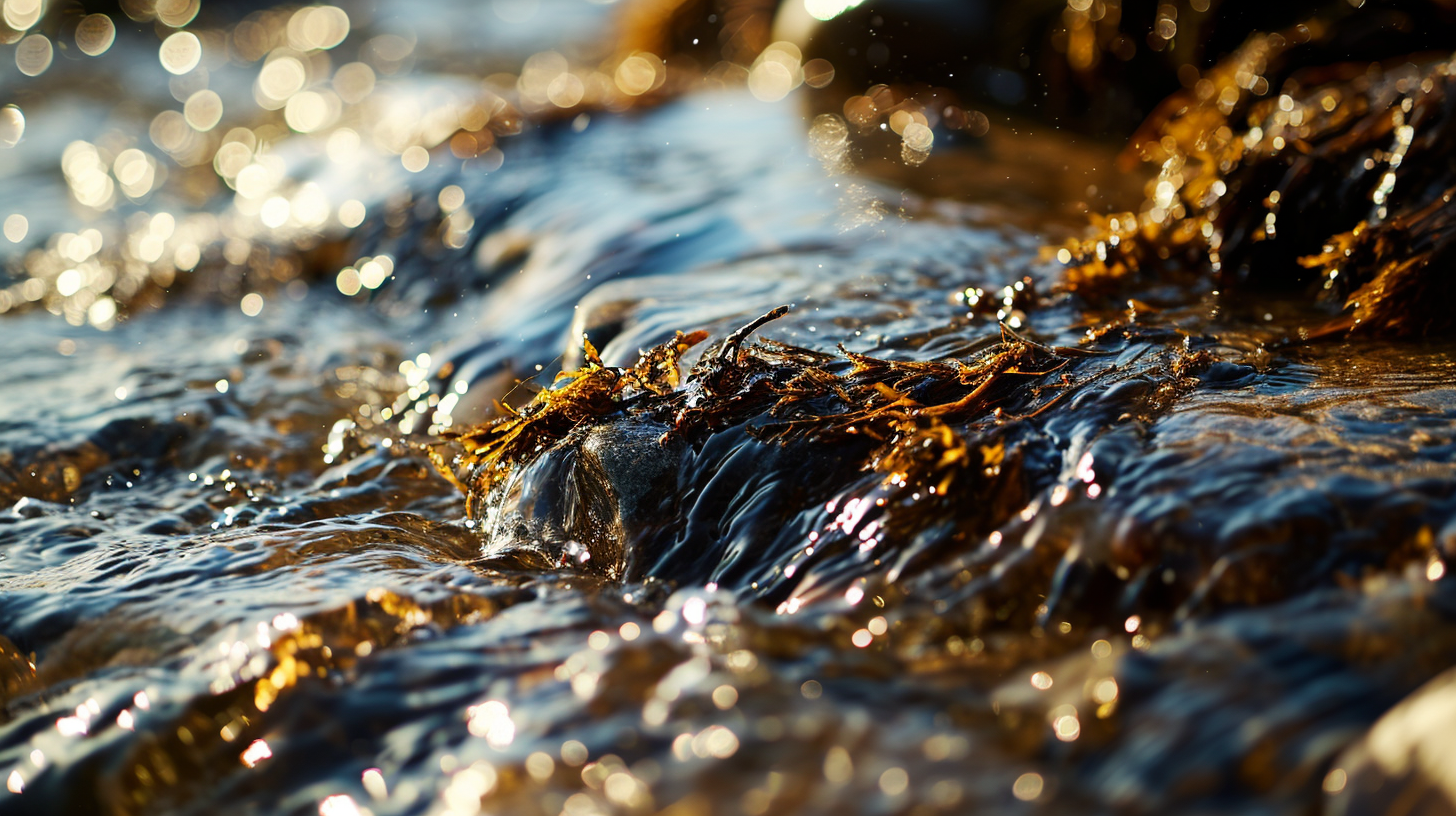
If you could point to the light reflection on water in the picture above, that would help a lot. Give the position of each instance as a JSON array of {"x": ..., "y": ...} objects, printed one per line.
[{"x": 254, "y": 266}]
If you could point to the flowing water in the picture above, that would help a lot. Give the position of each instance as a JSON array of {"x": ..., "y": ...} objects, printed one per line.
[{"x": 1194, "y": 557}]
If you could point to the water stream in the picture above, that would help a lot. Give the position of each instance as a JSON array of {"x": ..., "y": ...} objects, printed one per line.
[{"x": 1172, "y": 558}]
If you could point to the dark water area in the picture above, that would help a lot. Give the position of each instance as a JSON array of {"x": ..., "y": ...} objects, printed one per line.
[{"x": 972, "y": 526}]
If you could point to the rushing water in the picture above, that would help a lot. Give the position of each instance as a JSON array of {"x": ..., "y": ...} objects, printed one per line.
[{"x": 1192, "y": 560}]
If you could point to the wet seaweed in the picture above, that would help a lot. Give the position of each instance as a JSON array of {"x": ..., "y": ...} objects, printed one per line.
[
  {"x": 1337, "y": 186},
  {"x": 1399, "y": 270},
  {"x": 797, "y": 393},
  {"x": 928, "y": 433},
  {"x": 493, "y": 449}
]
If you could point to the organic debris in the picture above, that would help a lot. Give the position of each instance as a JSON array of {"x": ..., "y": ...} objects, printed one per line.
[
  {"x": 493, "y": 449},
  {"x": 1257, "y": 187},
  {"x": 787, "y": 394},
  {"x": 1400, "y": 271}
]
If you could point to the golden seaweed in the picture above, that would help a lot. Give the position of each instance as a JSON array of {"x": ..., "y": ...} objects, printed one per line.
[
  {"x": 1337, "y": 185},
  {"x": 913, "y": 414},
  {"x": 491, "y": 450}
]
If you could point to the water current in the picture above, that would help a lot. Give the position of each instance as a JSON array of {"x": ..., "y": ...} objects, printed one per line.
[{"x": 946, "y": 537}]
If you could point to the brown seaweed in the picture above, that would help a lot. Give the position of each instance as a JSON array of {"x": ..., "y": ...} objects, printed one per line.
[
  {"x": 921, "y": 424},
  {"x": 1400, "y": 271},
  {"x": 492, "y": 449},
  {"x": 1260, "y": 188}
]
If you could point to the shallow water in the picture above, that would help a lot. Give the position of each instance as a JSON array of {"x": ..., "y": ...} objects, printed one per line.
[{"x": 1199, "y": 559}]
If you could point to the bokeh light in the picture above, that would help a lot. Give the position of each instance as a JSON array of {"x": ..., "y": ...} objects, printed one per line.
[
  {"x": 180, "y": 52},
  {"x": 33, "y": 55},
  {"x": 95, "y": 34}
]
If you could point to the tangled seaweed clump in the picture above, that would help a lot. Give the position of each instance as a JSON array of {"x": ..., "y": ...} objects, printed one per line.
[
  {"x": 607, "y": 471},
  {"x": 1338, "y": 185},
  {"x": 594, "y": 391}
]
